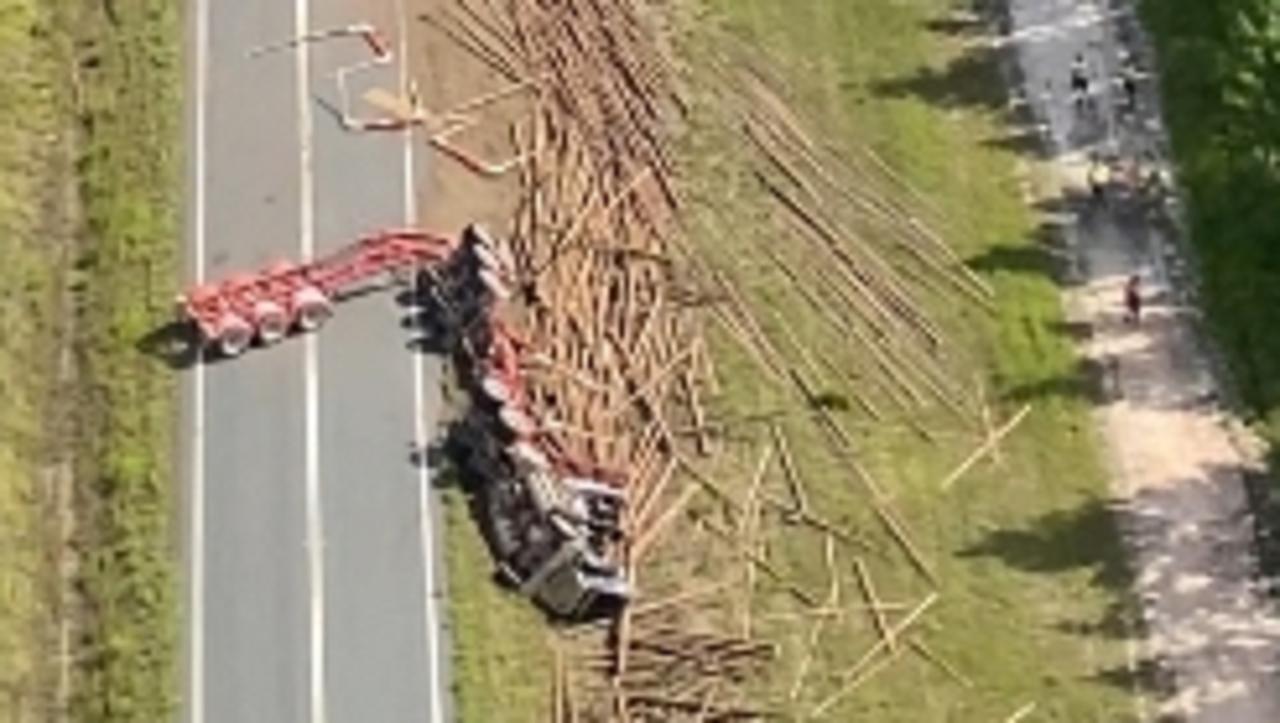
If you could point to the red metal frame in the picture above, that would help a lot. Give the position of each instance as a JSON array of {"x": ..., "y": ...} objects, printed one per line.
[
  {"x": 223, "y": 308},
  {"x": 503, "y": 360}
]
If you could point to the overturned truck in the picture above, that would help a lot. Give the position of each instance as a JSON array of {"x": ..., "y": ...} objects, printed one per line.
[{"x": 553, "y": 522}]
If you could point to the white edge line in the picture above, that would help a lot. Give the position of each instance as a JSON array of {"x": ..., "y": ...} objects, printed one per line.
[
  {"x": 196, "y": 665},
  {"x": 432, "y": 621},
  {"x": 311, "y": 375}
]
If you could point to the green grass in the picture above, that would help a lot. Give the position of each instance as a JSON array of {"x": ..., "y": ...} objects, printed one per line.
[
  {"x": 1034, "y": 587},
  {"x": 128, "y": 82},
  {"x": 501, "y": 661},
  {"x": 32, "y": 158}
]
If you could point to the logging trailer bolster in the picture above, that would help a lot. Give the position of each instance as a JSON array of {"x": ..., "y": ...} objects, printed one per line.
[{"x": 232, "y": 313}]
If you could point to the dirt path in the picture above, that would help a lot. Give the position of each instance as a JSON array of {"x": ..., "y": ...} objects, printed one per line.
[{"x": 1178, "y": 457}]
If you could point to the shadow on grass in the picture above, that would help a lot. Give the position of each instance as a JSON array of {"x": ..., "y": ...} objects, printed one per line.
[
  {"x": 964, "y": 82},
  {"x": 973, "y": 78},
  {"x": 1089, "y": 381},
  {"x": 1089, "y": 538},
  {"x": 1060, "y": 541},
  {"x": 1016, "y": 259},
  {"x": 1084, "y": 538},
  {"x": 1047, "y": 255},
  {"x": 1077, "y": 331}
]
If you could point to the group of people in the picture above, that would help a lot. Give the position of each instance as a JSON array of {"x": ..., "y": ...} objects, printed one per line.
[
  {"x": 1141, "y": 176},
  {"x": 1127, "y": 77},
  {"x": 1104, "y": 172}
]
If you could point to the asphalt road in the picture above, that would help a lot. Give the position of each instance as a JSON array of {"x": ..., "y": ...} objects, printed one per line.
[{"x": 310, "y": 540}]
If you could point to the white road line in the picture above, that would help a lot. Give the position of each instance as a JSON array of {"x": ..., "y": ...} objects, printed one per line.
[
  {"x": 429, "y": 590},
  {"x": 311, "y": 374},
  {"x": 196, "y": 663}
]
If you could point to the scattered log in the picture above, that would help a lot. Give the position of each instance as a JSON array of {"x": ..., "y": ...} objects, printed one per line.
[
  {"x": 863, "y": 669},
  {"x": 928, "y": 654},
  {"x": 985, "y": 448},
  {"x": 1021, "y": 713},
  {"x": 873, "y": 601}
]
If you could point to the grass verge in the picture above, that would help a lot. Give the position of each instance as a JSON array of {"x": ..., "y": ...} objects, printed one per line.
[
  {"x": 128, "y": 75},
  {"x": 35, "y": 246},
  {"x": 1034, "y": 602},
  {"x": 501, "y": 661}
]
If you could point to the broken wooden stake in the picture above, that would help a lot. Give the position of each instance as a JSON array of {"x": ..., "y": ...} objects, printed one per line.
[
  {"x": 873, "y": 601},
  {"x": 927, "y": 653},
  {"x": 984, "y": 448},
  {"x": 860, "y": 671}
]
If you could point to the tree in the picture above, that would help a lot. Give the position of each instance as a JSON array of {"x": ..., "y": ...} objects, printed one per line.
[{"x": 1251, "y": 96}]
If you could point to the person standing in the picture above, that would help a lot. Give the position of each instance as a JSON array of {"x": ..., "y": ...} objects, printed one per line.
[{"x": 1133, "y": 300}]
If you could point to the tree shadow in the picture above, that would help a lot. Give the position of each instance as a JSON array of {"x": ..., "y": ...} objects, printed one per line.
[
  {"x": 966, "y": 81},
  {"x": 972, "y": 79},
  {"x": 1025, "y": 138},
  {"x": 1148, "y": 676},
  {"x": 1194, "y": 588},
  {"x": 1062, "y": 541},
  {"x": 1021, "y": 259},
  {"x": 1084, "y": 538},
  {"x": 962, "y": 24},
  {"x": 1078, "y": 332},
  {"x": 1090, "y": 380},
  {"x": 1263, "y": 490}
]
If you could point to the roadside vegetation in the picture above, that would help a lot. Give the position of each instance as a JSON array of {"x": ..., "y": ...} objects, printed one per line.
[
  {"x": 35, "y": 247},
  {"x": 127, "y": 82},
  {"x": 1032, "y": 608},
  {"x": 500, "y": 656},
  {"x": 1220, "y": 68},
  {"x": 88, "y": 187}
]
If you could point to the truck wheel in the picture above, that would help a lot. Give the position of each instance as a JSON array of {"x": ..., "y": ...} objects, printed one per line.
[
  {"x": 271, "y": 320},
  {"x": 312, "y": 307},
  {"x": 235, "y": 336}
]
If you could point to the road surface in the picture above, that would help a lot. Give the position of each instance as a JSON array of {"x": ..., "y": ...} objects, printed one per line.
[
  {"x": 1178, "y": 464},
  {"x": 314, "y": 573}
]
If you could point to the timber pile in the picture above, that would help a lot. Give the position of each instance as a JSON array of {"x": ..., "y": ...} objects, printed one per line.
[
  {"x": 592, "y": 239},
  {"x": 860, "y": 248},
  {"x": 618, "y": 365},
  {"x": 673, "y": 674}
]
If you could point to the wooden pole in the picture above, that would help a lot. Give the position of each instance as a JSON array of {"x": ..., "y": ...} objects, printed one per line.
[
  {"x": 860, "y": 671},
  {"x": 985, "y": 448},
  {"x": 869, "y": 592}
]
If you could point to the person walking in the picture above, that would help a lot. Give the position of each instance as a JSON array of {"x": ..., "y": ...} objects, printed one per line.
[
  {"x": 1079, "y": 79},
  {"x": 1129, "y": 81},
  {"x": 1133, "y": 300}
]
